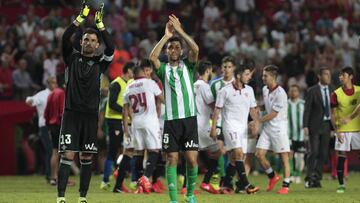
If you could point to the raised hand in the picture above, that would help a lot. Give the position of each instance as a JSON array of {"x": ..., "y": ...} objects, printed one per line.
[
  {"x": 84, "y": 12},
  {"x": 99, "y": 17},
  {"x": 169, "y": 29},
  {"x": 176, "y": 23}
]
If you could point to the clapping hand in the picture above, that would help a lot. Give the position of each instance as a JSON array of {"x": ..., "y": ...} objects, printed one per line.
[{"x": 84, "y": 12}]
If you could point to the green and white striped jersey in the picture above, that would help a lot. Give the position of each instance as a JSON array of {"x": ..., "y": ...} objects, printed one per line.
[
  {"x": 178, "y": 83},
  {"x": 217, "y": 84},
  {"x": 295, "y": 115},
  {"x": 215, "y": 87}
]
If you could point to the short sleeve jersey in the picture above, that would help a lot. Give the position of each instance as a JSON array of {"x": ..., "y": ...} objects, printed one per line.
[
  {"x": 203, "y": 99},
  {"x": 235, "y": 106},
  {"x": 140, "y": 95},
  {"x": 178, "y": 83},
  {"x": 276, "y": 100}
]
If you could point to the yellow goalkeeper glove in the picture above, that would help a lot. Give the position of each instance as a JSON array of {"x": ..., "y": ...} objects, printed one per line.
[
  {"x": 99, "y": 17},
  {"x": 84, "y": 12}
]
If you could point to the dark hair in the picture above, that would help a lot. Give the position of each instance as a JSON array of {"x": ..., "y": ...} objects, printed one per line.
[
  {"x": 145, "y": 63},
  {"x": 322, "y": 69},
  {"x": 295, "y": 85},
  {"x": 348, "y": 70},
  {"x": 137, "y": 70},
  {"x": 174, "y": 39},
  {"x": 228, "y": 59},
  {"x": 128, "y": 66},
  {"x": 203, "y": 66},
  {"x": 90, "y": 30},
  {"x": 241, "y": 68},
  {"x": 274, "y": 70}
]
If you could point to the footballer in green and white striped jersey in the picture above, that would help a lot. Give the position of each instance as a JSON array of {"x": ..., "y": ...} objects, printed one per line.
[
  {"x": 217, "y": 84},
  {"x": 179, "y": 89},
  {"x": 227, "y": 68},
  {"x": 296, "y": 108}
]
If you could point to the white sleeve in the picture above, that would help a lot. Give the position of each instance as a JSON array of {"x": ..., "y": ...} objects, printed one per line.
[
  {"x": 252, "y": 98},
  {"x": 155, "y": 88},
  {"x": 126, "y": 99},
  {"x": 220, "y": 99},
  {"x": 279, "y": 102},
  {"x": 206, "y": 94},
  {"x": 36, "y": 99}
]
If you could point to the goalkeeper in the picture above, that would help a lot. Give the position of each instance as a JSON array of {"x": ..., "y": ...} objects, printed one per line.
[{"x": 79, "y": 123}]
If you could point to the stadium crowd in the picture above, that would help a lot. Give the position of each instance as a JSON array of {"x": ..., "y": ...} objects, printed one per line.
[{"x": 298, "y": 36}]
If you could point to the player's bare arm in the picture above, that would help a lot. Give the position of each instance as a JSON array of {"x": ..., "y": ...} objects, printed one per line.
[
  {"x": 194, "y": 48},
  {"x": 215, "y": 117},
  {"x": 254, "y": 125},
  {"x": 268, "y": 116},
  {"x": 155, "y": 53},
  {"x": 160, "y": 98},
  {"x": 126, "y": 112},
  {"x": 339, "y": 136}
]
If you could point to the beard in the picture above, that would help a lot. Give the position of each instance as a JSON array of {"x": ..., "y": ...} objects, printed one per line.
[{"x": 88, "y": 50}]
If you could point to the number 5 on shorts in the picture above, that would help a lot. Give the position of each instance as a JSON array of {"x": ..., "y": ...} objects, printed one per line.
[{"x": 166, "y": 138}]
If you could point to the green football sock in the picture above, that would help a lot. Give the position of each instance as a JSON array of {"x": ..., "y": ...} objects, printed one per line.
[
  {"x": 221, "y": 166},
  {"x": 291, "y": 163},
  {"x": 171, "y": 176},
  {"x": 191, "y": 175}
]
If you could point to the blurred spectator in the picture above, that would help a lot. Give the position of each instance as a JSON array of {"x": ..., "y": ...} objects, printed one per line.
[
  {"x": 28, "y": 25},
  {"x": 132, "y": 14},
  {"x": 6, "y": 81},
  {"x": 211, "y": 14},
  {"x": 293, "y": 63},
  {"x": 121, "y": 56},
  {"x": 50, "y": 63},
  {"x": 324, "y": 21},
  {"x": 23, "y": 84},
  {"x": 148, "y": 43},
  {"x": 213, "y": 36},
  {"x": 341, "y": 20},
  {"x": 245, "y": 10}
]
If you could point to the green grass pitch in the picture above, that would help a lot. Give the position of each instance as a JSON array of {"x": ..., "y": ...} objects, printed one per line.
[{"x": 33, "y": 189}]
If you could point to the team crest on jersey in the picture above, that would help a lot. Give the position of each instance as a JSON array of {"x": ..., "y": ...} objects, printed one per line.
[{"x": 90, "y": 63}]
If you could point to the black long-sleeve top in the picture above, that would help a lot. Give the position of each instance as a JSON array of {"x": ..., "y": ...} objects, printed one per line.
[{"x": 83, "y": 73}]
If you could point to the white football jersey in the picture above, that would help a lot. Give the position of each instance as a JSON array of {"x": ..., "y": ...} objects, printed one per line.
[
  {"x": 235, "y": 106},
  {"x": 203, "y": 98},
  {"x": 276, "y": 100},
  {"x": 140, "y": 95}
]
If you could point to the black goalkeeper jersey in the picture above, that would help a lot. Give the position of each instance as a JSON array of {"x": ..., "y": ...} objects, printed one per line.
[{"x": 83, "y": 73}]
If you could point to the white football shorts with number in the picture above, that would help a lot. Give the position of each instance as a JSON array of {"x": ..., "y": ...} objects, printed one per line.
[
  {"x": 274, "y": 135},
  {"x": 235, "y": 105},
  {"x": 140, "y": 95}
]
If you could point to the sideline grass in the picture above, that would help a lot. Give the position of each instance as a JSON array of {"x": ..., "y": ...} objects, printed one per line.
[{"x": 33, "y": 189}]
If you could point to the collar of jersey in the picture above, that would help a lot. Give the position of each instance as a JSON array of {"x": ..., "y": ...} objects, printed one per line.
[
  {"x": 235, "y": 87},
  {"x": 271, "y": 90},
  {"x": 138, "y": 78}
]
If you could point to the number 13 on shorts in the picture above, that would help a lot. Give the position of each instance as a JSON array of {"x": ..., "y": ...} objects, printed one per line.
[{"x": 65, "y": 139}]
